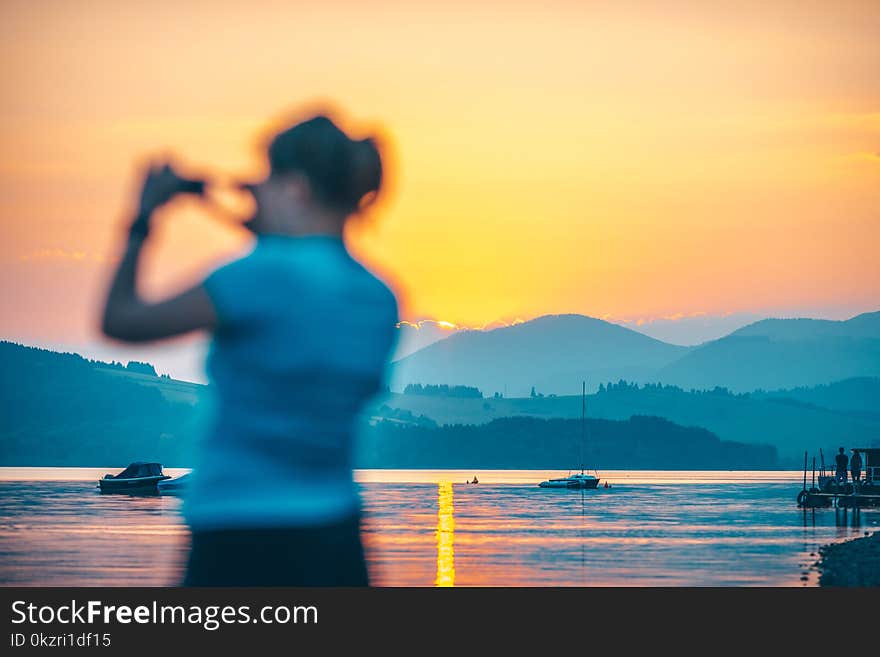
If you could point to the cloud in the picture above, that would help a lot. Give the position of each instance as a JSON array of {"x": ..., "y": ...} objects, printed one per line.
[
  {"x": 58, "y": 254},
  {"x": 863, "y": 156},
  {"x": 421, "y": 323},
  {"x": 452, "y": 326},
  {"x": 673, "y": 317}
]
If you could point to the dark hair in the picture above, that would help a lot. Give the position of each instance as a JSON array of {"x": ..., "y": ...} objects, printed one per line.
[{"x": 344, "y": 173}]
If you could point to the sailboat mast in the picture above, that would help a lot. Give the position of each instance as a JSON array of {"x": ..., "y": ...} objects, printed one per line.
[{"x": 583, "y": 421}]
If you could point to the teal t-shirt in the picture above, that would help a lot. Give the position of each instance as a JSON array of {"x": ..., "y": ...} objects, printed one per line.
[{"x": 303, "y": 338}]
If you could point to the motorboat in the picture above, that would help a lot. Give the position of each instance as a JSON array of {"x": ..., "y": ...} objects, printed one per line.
[
  {"x": 138, "y": 477},
  {"x": 580, "y": 480},
  {"x": 174, "y": 486}
]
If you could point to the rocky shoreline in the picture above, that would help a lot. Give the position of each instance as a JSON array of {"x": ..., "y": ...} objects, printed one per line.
[{"x": 853, "y": 563}]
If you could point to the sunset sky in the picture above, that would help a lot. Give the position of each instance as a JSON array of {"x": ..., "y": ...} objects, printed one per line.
[{"x": 628, "y": 160}]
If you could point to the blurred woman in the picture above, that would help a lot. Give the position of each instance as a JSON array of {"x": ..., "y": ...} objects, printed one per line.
[{"x": 301, "y": 337}]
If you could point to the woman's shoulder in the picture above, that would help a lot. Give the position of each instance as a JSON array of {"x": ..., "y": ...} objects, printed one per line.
[
  {"x": 381, "y": 288},
  {"x": 232, "y": 268}
]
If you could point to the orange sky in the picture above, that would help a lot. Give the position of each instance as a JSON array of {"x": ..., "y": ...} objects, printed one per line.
[{"x": 619, "y": 159}]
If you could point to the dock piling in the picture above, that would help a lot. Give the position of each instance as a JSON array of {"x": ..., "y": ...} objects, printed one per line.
[{"x": 805, "y": 471}]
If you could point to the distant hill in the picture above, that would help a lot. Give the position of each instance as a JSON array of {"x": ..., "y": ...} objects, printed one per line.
[
  {"x": 552, "y": 353},
  {"x": 61, "y": 409},
  {"x": 527, "y": 442},
  {"x": 789, "y": 423},
  {"x": 782, "y": 353},
  {"x": 555, "y": 353},
  {"x": 64, "y": 410},
  {"x": 692, "y": 330},
  {"x": 859, "y": 395},
  {"x": 866, "y": 325}
]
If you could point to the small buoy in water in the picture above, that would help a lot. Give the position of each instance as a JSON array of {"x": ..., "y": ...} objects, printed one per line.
[{"x": 607, "y": 485}]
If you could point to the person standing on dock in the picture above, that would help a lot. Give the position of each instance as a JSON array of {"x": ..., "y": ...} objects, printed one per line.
[
  {"x": 842, "y": 463},
  {"x": 855, "y": 465}
]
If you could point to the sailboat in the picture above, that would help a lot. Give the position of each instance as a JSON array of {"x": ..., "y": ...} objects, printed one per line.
[{"x": 579, "y": 480}]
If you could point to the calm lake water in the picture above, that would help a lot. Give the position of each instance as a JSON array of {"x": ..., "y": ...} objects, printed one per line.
[{"x": 428, "y": 528}]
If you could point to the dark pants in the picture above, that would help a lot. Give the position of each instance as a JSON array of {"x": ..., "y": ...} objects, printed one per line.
[
  {"x": 856, "y": 475},
  {"x": 841, "y": 476},
  {"x": 325, "y": 555}
]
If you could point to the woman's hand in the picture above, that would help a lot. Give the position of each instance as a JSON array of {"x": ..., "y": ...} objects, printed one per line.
[{"x": 161, "y": 184}]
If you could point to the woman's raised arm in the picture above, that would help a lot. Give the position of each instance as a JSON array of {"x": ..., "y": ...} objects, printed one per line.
[{"x": 126, "y": 315}]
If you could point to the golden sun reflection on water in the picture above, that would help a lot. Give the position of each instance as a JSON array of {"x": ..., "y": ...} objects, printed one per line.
[{"x": 445, "y": 535}]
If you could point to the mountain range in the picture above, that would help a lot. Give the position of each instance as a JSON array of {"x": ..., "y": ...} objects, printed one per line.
[
  {"x": 554, "y": 353},
  {"x": 62, "y": 409}
]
